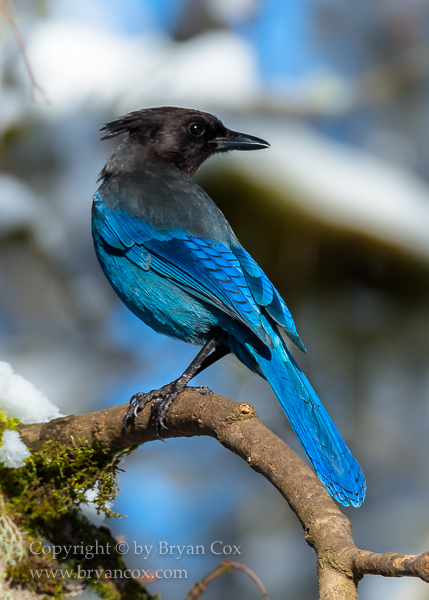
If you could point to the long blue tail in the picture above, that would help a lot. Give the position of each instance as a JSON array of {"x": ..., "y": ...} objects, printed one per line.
[{"x": 332, "y": 460}]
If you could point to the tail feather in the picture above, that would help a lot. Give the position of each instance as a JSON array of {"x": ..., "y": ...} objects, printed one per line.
[{"x": 332, "y": 460}]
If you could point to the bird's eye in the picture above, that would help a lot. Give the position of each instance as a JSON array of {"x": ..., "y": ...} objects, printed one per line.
[{"x": 196, "y": 129}]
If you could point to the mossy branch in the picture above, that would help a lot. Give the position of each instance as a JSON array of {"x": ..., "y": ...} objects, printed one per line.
[{"x": 341, "y": 565}]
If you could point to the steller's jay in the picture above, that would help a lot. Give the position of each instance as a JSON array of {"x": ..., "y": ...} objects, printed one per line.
[{"x": 173, "y": 259}]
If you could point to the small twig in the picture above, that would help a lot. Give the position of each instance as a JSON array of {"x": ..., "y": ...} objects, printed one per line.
[
  {"x": 4, "y": 12},
  {"x": 225, "y": 566}
]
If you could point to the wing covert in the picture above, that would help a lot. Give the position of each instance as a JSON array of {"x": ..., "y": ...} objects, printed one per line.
[
  {"x": 267, "y": 296},
  {"x": 227, "y": 278}
]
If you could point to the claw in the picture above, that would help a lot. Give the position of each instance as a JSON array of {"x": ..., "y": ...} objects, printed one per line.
[
  {"x": 158, "y": 432},
  {"x": 137, "y": 403},
  {"x": 161, "y": 400},
  {"x": 125, "y": 422}
]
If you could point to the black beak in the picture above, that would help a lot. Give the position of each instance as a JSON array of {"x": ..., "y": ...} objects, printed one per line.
[{"x": 233, "y": 140}]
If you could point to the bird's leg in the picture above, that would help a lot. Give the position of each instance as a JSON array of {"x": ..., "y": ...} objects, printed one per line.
[
  {"x": 163, "y": 397},
  {"x": 219, "y": 352}
]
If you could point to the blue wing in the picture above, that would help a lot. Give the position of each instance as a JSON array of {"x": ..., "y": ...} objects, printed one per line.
[
  {"x": 227, "y": 278},
  {"x": 266, "y": 295},
  {"x": 231, "y": 280}
]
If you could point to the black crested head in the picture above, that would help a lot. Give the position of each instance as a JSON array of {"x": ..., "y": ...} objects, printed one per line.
[{"x": 180, "y": 136}]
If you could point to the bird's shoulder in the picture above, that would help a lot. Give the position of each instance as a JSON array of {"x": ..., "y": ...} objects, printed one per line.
[{"x": 165, "y": 199}]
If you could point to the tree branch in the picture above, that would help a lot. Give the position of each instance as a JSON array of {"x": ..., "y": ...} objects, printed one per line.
[
  {"x": 237, "y": 427},
  {"x": 391, "y": 564}
]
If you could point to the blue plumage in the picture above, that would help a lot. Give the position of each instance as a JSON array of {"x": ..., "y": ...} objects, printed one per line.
[{"x": 173, "y": 259}]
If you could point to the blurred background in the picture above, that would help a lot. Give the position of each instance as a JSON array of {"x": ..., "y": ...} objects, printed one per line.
[{"x": 336, "y": 212}]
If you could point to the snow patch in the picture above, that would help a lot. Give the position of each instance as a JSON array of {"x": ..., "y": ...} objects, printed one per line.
[
  {"x": 13, "y": 451},
  {"x": 21, "y": 400}
]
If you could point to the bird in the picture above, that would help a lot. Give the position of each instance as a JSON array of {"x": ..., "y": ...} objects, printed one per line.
[{"x": 174, "y": 261}]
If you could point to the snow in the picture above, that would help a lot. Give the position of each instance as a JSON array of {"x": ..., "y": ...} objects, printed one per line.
[
  {"x": 13, "y": 451},
  {"x": 20, "y": 399}
]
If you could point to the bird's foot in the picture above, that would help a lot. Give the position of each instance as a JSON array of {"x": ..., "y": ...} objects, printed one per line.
[{"x": 161, "y": 400}]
